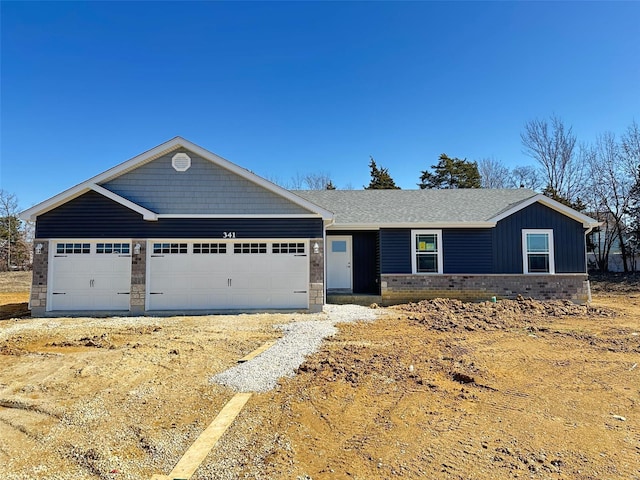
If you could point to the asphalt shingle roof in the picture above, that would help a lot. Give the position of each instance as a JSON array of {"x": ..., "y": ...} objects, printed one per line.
[{"x": 416, "y": 206}]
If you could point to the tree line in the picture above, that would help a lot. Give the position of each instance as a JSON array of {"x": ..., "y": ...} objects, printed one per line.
[{"x": 600, "y": 178}]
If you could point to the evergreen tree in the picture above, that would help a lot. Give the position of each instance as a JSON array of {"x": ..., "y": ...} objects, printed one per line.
[
  {"x": 380, "y": 178},
  {"x": 451, "y": 173}
]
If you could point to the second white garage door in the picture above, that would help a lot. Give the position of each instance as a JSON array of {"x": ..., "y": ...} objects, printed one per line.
[{"x": 203, "y": 275}]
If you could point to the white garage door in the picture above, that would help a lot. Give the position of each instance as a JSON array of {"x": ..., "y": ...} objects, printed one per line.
[
  {"x": 191, "y": 275},
  {"x": 90, "y": 275}
]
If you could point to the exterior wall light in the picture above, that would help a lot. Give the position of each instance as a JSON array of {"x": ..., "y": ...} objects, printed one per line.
[
  {"x": 316, "y": 248},
  {"x": 136, "y": 249},
  {"x": 39, "y": 249}
]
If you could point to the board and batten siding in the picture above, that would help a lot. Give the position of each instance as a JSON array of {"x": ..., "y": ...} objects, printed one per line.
[
  {"x": 568, "y": 238},
  {"x": 205, "y": 188},
  {"x": 92, "y": 215}
]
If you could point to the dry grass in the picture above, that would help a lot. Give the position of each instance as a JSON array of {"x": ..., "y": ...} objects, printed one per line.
[{"x": 15, "y": 282}]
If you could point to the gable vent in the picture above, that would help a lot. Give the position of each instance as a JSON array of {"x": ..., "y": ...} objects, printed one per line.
[{"x": 181, "y": 162}]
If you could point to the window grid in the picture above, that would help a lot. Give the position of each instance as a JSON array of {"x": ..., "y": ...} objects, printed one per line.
[
  {"x": 169, "y": 248},
  {"x": 287, "y": 248},
  {"x": 73, "y": 248},
  {"x": 209, "y": 248},
  {"x": 118, "y": 248},
  {"x": 537, "y": 250},
  {"x": 426, "y": 251},
  {"x": 249, "y": 248}
]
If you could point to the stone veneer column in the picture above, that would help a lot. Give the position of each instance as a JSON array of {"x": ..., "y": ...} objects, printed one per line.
[
  {"x": 138, "y": 277},
  {"x": 316, "y": 275},
  {"x": 40, "y": 277}
]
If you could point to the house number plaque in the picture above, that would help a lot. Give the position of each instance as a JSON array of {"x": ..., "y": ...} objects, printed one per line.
[{"x": 228, "y": 234}]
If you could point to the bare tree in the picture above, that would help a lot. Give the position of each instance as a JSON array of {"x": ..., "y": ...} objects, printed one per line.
[
  {"x": 317, "y": 181},
  {"x": 493, "y": 174},
  {"x": 630, "y": 146},
  {"x": 552, "y": 146},
  {"x": 611, "y": 186},
  {"x": 525, "y": 177},
  {"x": 14, "y": 250}
]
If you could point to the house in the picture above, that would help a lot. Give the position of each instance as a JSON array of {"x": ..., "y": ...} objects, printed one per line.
[{"x": 178, "y": 228}]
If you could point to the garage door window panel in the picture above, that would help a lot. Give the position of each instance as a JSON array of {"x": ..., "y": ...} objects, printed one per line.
[
  {"x": 169, "y": 248},
  {"x": 250, "y": 248},
  {"x": 209, "y": 248},
  {"x": 113, "y": 248},
  {"x": 73, "y": 248},
  {"x": 296, "y": 248}
]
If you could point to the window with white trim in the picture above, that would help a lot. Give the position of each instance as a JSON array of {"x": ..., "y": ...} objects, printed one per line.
[
  {"x": 426, "y": 254},
  {"x": 537, "y": 251}
]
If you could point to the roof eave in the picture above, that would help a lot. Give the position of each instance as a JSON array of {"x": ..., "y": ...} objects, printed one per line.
[{"x": 413, "y": 225}]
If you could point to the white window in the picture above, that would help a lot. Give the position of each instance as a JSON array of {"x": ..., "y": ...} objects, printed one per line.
[
  {"x": 537, "y": 251},
  {"x": 426, "y": 251}
]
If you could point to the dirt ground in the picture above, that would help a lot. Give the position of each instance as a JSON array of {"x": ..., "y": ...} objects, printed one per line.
[{"x": 437, "y": 390}]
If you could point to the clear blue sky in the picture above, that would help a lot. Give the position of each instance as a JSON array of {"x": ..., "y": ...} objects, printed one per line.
[{"x": 303, "y": 87}]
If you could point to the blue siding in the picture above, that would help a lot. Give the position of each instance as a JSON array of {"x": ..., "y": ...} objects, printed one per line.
[
  {"x": 467, "y": 250},
  {"x": 395, "y": 251},
  {"x": 568, "y": 236},
  {"x": 366, "y": 258},
  {"x": 93, "y": 216},
  {"x": 203, "y": 188}
]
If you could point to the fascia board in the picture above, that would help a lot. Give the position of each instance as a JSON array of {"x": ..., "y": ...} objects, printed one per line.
[
  {"x": 146, "y": 213},
  {"x": 586, "y": 221},
  {"x": 68, "y": 195},
  {"x": 231, "y": 215},
  {"x": 155, "y": 152},
  {"x": 77, "y": 190},
  {"x": 30, "y": 214},
  {"x": 435, "y": 225}
]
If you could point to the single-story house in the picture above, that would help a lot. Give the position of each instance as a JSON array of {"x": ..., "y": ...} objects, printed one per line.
[{"x": 178, "y": 228}]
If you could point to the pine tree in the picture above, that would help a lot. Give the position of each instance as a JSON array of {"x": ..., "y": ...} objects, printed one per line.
[
  {"x": 451, "y": 173},
  {"x": 380, "y": 178}
]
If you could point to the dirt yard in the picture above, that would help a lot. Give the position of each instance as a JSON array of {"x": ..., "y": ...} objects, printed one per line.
[{"x": 437, "y": 390}]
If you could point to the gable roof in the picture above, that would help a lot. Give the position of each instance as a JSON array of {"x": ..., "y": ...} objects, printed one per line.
[
  {"x": 150, "y": 155},
  {"x": 461, "y": 208}
]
